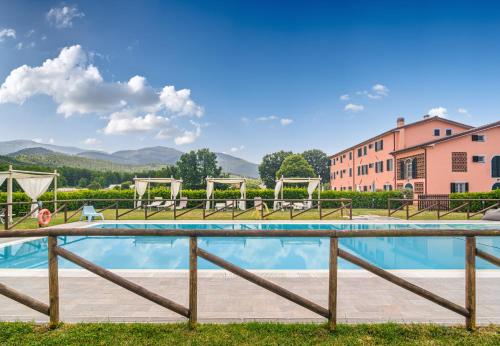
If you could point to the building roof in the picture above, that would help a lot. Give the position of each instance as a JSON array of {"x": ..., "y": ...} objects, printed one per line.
[
  {"x": 403, "y": 127},
  {"x": 449, "y": 138}
]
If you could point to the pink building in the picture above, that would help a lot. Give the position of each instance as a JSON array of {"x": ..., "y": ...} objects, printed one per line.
[{"x": 431, "y": 156}]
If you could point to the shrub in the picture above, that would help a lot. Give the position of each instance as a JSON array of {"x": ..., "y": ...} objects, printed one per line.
[
  {"x": 360, "y": 199},
  {"x": 475, "y": 206}
]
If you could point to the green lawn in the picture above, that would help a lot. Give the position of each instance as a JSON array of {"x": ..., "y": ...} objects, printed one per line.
[
  {"x": 310, "y": 215},
  {"x": 244, "y": 334}
]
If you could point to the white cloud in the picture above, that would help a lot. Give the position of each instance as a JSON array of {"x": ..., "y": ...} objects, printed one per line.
[
  {"x": 380, "y": 89},
  {"x": 62, "y": 16},
  {"x": 91, "y": 142},
  {"x": 351, "y": 107},
  {"x": 464, "y": 111},
  {"x": 236, "y": 149},
  {"x": 125, "y": 122},
  {"x": 7, "y": 33},
  {"x": 188, "y": 137},
  {"x": 77, "y": 87},
  {"x": 42, "y": 141},
  {"x": 438, "y": 112},
  {"x": 286, "y": 121},
  {"x": 269, "y": 118},
  {"x": 19, "y": 46},
  {"x": 344, "y": 97}
]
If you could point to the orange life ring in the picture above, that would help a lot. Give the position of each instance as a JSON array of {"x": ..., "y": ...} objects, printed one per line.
[{"x": 44, "y": 217}]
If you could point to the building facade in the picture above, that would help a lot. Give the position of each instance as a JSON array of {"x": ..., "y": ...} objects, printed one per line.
[{"x": 431, "y": 156}]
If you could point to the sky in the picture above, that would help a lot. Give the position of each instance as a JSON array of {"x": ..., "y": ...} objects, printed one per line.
[{"x": 242, "y": 77}]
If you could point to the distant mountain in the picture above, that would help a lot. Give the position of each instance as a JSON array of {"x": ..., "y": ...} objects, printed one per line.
[
  {"x": 45, "y": 157},
  {"x": 9, "y": 147},
  {"x": 144, "y": 156},
  {"x": 237, "y": 166},
  {"x": 124, "y": 160}
]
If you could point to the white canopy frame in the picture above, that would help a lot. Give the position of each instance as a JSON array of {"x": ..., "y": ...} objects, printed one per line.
[
  {"x": 242, "y": 183},
  {"x": 31, "y": 183},
  {"x": 143, "y": 185},
  {"x": 312, "y": 184}
]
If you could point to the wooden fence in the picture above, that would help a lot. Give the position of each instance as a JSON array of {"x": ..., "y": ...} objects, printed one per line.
[
  {"x": 191, "y": 312},
  {"x": 454, "y": 206},
  {"x": 428, "y": 202},
  {"x": 71, "y": 209}
]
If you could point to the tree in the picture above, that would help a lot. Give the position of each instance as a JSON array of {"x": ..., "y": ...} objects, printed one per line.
[
  {"x": 295, "y": 166},
  {"x": 193, "y": 167},
  {"x": 270, "y": 164},
  {"x": 319, "y": 161}
]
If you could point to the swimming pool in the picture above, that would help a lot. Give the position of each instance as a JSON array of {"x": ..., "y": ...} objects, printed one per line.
[{"x": 259, "y": 253}]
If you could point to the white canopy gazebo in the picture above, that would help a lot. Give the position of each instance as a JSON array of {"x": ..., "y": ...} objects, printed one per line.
[
  {"x": 144, "y": 184},
  {"x": 312, "y": 184},
  {"x": 34, "y": 184},
  {"x": 241, "y": 182}
]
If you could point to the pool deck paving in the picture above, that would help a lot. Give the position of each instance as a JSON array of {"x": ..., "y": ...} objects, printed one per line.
[{"x": 224, "y": 297}]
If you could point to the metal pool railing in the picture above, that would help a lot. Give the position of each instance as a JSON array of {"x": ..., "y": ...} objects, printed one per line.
[{"x": 191, "y": 312}]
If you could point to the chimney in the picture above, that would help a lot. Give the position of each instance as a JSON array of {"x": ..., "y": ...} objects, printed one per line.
[
  {"x": 427, "y": 116},
  {"x": 400, "y": 122}
]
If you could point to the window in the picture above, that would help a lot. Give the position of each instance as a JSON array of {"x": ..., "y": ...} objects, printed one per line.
[
  {"x": 350, "y": 155},
  {"x": 495, "y": 167},
  {"x": 459, "y": 187},
  {"x": 350, "y": 172},
  {"x": 478, "y": 159},
  {"x": 333, "y": 162},
  {"x": 379, "y": 145},
  {"x": 448, "y": 132},
  {"x": 387, "y": 187},
  {"x": 341, "y": 159},
  {"x": 437, "y": 132},
  {"x": 478, "y": 138},
  {"x": 370, "y": 165},
  {"x": 389, "y": 165},
  {"x": 409, "y": 169},
  {"x": 364, "y": 150},
  {"x": 360, "y": 152},
  {"x": 350, "y": 188},
  {"x": 359, "y": 170},
  {"x": 370, "y": 146},
  {"x": 379, "y": 166},
  {"x": 459, "y": 162},
  {"x": 365, "y": 188},
  {"x": 341, "y": 175}
]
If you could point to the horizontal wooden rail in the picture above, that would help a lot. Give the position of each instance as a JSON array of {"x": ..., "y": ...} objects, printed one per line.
[
  {"x": 268, "y": 285},
  {"x": 249, "y": 233},
  {"x": 120, "y": 281}
]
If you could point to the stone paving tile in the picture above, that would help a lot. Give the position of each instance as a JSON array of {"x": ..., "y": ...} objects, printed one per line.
[{"x": 229, "y": 298}]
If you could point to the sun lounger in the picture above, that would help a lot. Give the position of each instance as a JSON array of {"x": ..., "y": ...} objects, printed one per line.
[
  {"x": 183, "y": 202},
  {"x": 166, "y": 205},
  {"x": 155, "y": 204},
  {"x": 90, "y": 213},
  {"x": 492, "y": 215},
  {"x": 299, "y": 206}
]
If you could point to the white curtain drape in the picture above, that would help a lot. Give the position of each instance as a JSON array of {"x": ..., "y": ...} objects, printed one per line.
[
  {"x": 176, "y": 187},
  {"x": 140, "y": 188},
  {"x": 243, "y": 191},
  {"x": 210, "y": 190},
  {"x": 2, "y": 178},
  {"x": 34, "y": 187},
  {"x": 311, "y": 187},
  {"x": 277, "y": 190}
]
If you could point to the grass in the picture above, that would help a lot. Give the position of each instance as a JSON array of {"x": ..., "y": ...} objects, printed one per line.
[
  {"x": 244, "y": 334},
  {"x": 197, "y": 215}
]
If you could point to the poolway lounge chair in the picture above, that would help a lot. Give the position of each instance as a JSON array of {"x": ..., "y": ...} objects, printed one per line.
[
  {"x": 155, "y": 204},
  {"x": 90, "y": 213},
  {"x": 182, "y": 203},
  {"x": 492, "y": 215}
]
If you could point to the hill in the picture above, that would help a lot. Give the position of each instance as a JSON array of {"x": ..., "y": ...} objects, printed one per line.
[{"x": 30, "y": 152}]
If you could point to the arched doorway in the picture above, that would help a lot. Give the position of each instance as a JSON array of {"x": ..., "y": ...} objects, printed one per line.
[
  {"x": 409, "y": 186},
  {"x": 496, "y": 186}
]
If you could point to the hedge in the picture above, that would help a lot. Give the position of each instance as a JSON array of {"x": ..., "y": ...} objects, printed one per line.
[
  {"x": 360, "y": 199},
  {"x": 475, "y": 206}
]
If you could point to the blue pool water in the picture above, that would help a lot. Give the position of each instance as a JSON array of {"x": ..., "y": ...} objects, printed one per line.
[{"x": 259, "y": 253}]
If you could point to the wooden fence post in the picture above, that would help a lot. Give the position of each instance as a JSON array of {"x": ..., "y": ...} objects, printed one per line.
[
  {"x": 193, "y": 282},
  {"x": 332, "y": 283},
  {"x": 470, "y": 282},
  {"x": 53, "y": 283}
]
